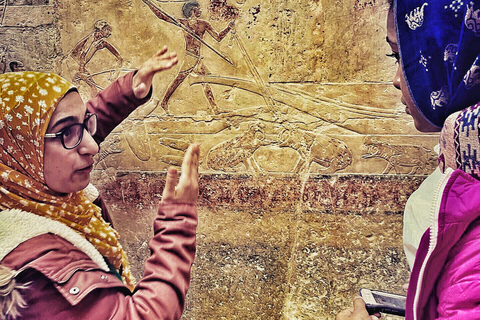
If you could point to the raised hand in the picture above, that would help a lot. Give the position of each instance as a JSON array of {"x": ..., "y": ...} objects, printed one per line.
[
  {"x": 142, "y": 81},
  {"x": 185, "y": 189}
]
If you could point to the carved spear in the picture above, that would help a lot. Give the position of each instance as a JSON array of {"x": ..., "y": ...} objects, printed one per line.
[{"x": 187, "y": 30}]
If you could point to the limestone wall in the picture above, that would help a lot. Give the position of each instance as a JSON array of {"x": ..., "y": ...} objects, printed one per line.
[{"x": 307, "y": 155}]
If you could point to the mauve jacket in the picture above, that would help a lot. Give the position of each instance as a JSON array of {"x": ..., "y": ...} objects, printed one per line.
[
  {"x": 445, "y": 279},
  {"x": 67, "y": 284}
]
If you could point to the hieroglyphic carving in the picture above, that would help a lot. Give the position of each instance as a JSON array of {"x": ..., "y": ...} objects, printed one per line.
[
  {"x": 74, "y": 65},
  {"x": 323, "y": 108},
  {"x": 138, "y": 140},
  {"x": 406, "y": 159},
  {"x": 332, "y": 154},
  {"x": 227, "y": 155},
  {"x": 194, "y": 31},
  {"x": 247, "y": 78},
  {"x": 108, "y": 148},
  {"x": 179, "y": 146}
]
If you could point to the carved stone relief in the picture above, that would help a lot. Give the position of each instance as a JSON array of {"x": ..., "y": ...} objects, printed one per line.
[
  {"x": 406, "y": 159},
  {"x": 242, "y": 64}
]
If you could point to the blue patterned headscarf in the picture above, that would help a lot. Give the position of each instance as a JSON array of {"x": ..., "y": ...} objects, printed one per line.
[{"x": 439, "y": 43}]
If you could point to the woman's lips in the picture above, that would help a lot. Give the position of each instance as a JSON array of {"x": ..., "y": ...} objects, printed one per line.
[
  {"x": 407, "y": 111},
  {"x": 86, "y": 169}
]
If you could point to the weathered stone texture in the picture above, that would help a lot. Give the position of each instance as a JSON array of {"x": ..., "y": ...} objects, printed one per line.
[{"x": 267, "y": 250}]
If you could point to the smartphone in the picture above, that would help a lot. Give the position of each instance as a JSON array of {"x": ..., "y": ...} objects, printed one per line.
[{"x": 378, "y": 301}]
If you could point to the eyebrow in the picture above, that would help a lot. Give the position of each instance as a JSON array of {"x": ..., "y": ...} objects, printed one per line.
[
  {"x": 63, "y": 120},
  {"x": 68, "y": 119}
]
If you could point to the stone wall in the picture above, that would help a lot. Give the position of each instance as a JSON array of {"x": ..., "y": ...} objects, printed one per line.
[{"x": 307, "y": 155}]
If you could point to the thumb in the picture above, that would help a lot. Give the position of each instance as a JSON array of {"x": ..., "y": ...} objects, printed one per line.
[
  {"x": 170, "y": 183},
  {"x": 358, "y": 303},
  {"x": 360, "y": 309}
]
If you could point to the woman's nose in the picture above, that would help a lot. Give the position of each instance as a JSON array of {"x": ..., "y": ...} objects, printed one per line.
[
  {"x": 88, "y": 145},
  {"x": 396, "y": 78}
]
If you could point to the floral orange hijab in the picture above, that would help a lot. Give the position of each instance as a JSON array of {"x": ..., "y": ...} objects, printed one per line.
[{"x": 27, "y": 102}]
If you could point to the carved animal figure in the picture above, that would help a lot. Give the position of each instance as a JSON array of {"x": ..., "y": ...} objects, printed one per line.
[
  {"x": 227, "y": 155},
  {"x": 109, "y": 147},
  {"x": 176, "y": 145},
  {"x": 407, "y": 159},
  {"x": 332, "y": 154}
]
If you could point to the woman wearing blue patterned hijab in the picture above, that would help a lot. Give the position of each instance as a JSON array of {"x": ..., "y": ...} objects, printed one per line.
[{"x": 439, "y": 45}]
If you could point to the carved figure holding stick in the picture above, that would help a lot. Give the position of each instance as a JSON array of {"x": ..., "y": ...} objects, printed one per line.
[{"x": 194, "y": 31}]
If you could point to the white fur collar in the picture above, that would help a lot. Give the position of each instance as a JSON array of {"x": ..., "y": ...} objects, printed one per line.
[
  {"x": 17, "y": 226},
  {"x": 91, "y": 192}
]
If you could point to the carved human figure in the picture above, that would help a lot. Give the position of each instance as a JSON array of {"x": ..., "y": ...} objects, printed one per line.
[
  {"x": 86, "y": 48},
  {"x": 227, "y": 155},
  {"x": 194, "y": 31}
]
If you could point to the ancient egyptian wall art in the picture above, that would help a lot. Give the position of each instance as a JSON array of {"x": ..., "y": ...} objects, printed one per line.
[
  {"x": 24, "y": 24},
  {"x": 75, "y": 64},
  {"x": 266, "y": 87},
  {"x": 401, "y": 158},
  {"x": 194, "y": 30},
  {"x": 222, "y": 96}
]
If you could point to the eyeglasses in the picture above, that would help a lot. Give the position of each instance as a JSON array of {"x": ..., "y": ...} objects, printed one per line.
[{"x": 72, "y": 135}]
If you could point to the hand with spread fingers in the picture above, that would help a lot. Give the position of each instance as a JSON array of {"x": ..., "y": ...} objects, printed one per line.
[
  {"x": 142, "y": 81},
  {"x": 185, "y": 188}
]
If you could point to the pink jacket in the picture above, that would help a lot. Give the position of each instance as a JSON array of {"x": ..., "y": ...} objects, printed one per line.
[
  {"x": 64, "y": 283},
  {"x": 445, "y": 279},
  {"x": 67, "y": 284}
]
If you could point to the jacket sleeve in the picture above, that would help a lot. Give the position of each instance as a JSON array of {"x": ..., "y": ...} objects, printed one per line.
[
  {"x": 458, "y": 288},
  {"x": 160, "y": 294},
  {"x": 113, "y": 104}
]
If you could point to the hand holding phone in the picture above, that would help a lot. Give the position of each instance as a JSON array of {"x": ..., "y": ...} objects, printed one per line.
[{"x": 384, "y": 302}]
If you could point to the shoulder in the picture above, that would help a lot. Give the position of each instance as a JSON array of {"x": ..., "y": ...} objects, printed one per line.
[
  {"x": 47, "y": 252},
  {"x": 19, "y": 228},
  {"x": 458, "y": 288},
  {"x": 461, "y": 198},
  {"x": 51, "y": 273}
]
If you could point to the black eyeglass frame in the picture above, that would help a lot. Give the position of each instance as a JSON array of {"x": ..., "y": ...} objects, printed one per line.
[{"x": 61, "y": 133}]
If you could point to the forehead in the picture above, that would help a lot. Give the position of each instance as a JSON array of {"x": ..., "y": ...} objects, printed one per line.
[
  {"x": 391, "y": 32},
  {"x": 71, "y": 105}
]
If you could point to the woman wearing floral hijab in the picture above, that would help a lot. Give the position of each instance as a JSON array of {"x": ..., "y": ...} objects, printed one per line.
[
  {"x": 59, "y": 258},
  {"x": 437, "y": 45}
]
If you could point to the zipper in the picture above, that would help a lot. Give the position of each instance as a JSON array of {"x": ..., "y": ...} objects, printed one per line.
[{"x": 434, "y": 213}]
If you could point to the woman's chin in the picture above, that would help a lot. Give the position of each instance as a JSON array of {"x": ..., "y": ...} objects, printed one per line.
[
  {"x": 85, "y": 184},
  {"x": 72, "y": 188},
  {"x": 426, "y": 127}
]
